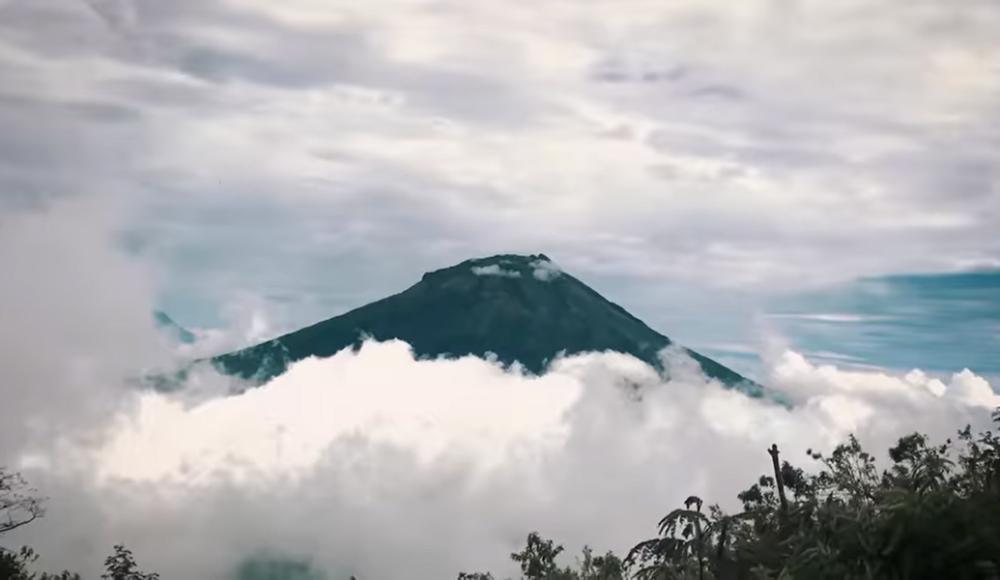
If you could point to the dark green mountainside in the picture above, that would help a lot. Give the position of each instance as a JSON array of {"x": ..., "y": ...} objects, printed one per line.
[
  {"x": 520, "y": 308},
  {"x": 172, "y": 329}
]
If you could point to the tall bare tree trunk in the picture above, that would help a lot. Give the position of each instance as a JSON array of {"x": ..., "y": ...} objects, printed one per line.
[{"x": 773, "y": 452}]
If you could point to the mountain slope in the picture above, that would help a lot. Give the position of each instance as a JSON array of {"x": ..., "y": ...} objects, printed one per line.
[
  {"x": 172, "y": 329},
  {"x": 520, "y": 308}
]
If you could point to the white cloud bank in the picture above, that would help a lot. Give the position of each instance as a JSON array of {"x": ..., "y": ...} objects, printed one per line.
[{"x": 445, "y": 465}]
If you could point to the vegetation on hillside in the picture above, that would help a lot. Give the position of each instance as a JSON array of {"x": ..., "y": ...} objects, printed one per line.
[{"x": 933, "y": 514}]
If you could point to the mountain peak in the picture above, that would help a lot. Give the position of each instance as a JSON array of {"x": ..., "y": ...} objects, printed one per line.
[
  {"x": 518, "y": 308},
  {"x": 537, "y": 266}
]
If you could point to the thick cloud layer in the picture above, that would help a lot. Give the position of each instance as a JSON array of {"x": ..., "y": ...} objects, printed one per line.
[
  {"x": 376, "y": 464},
  {"x": 76, "y": 321}
]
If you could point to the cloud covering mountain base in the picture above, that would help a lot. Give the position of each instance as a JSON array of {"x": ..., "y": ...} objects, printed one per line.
[{"x": 374, "y": 463}]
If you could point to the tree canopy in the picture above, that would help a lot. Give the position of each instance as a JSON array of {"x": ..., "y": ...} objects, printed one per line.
[{"x": 932, "y": 513}]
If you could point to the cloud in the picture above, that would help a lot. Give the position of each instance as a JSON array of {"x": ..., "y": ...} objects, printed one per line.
[
  {"x": 77, "y": 322},
  {"x": 332, "y": 153},
  {"x": 833, "y": 317},
  {"x": 495, "y": 270},
  {"x": 434, "y": 135},
  {"x": 448, "y": 463},
  {"x": 545, "y": 270},
  {"x": 939, "y": 322}
]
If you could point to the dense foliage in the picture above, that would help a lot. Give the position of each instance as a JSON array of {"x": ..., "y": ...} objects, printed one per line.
[
  {"x": 934, "y": 513},
  {"x": 538, "y": 562}
]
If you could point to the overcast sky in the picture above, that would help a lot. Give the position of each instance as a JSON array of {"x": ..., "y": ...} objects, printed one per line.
[
  {"x": 306, "y": 156},
  {"x": 814, "y": 181}
]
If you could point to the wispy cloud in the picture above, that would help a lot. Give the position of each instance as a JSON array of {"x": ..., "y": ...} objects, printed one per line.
[{"x": 833, "y": 317}]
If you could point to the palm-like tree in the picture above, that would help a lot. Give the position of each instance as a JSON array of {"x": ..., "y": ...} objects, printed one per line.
[{"x": 679, "y": 549}]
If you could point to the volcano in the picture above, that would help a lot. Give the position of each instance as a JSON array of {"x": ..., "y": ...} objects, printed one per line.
[{"x": 514, "y": 308}]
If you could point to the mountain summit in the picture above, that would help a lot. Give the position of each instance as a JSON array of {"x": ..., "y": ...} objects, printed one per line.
[{"x": 516, "y": 308}]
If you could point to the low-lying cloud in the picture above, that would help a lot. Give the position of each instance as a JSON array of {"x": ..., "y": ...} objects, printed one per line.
[
  {"x": 374, "y": 463},
  {"x": 446, "y": 464}
]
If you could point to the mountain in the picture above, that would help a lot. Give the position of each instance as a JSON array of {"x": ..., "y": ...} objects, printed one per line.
[
  {"x": 172, "y": 329},
  {"x": 519, "y": 308}
]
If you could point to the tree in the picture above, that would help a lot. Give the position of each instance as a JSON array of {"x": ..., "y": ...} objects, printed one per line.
[
  {"x": 19, "y": 503},
  {"x": 606, "y": 567},
  {"x": 122, "y": 566},
  {"x": 14, "y": 566},
  {"x": 933, "y": 512},
  {"x": 20, "y": 506},
  {"x": 690, "y": 544},
  {"x": 538, "y": 558}
]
